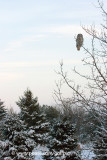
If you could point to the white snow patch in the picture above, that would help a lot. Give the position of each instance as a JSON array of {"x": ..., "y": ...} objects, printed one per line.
[
  {"x": 87, "y": 152},
  {"x": 31, "y": 132},
  {"x": 39, "y": 151},
  {"x": 38, "y": 156}
]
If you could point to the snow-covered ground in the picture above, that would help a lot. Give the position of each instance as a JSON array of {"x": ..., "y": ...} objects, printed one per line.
[
  {"x": 38, "y": 156},
  {"x": 86, "y": 152},
  {"x": 39, "y": 151}
]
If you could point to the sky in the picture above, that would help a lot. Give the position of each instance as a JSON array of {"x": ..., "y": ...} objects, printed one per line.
[{"x": 35, "y": 35}]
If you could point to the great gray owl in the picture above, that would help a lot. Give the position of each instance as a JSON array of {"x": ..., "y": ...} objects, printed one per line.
[{"x": 79, "y": 41}]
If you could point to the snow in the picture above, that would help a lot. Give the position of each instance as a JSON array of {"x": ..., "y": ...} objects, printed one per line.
[
  {"x": 31, "y": 132},
  {"x": 4, "y": 144},
  {"x": 38, "y": 156},
  {"x": 39, "y": 151},
  {"x": 7, "y": 158},
  {"x": 87, "y": 152}
]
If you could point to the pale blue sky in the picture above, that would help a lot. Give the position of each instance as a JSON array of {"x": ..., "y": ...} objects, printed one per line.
[{"x": 34, "y": 36}]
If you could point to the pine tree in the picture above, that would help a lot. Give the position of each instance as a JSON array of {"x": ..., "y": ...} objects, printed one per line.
[
  {"x": 29, "y": 108},
  {"x": 3, "y": 113},
  {"x": 51, "y": 112},
  {"x": 17, "y": 144},
  {"x": 33, "y": 117},
  {"x": 88, "y": 127},
  {"x": 100, "y": 145},
  {"x": 62, "y": 140},
  {"x": 100, "y": 138},
  {"x": 2, "y": 110}
]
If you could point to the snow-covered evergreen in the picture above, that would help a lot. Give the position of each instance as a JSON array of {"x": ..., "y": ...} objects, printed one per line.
[
  {"x": 2, "y": 110},
  {"x": 40, "y": 131},
  {"x": 100, "y": 144},
  {"x": 62, "y": 142},
  {"x": 17, "y": 144},
  {"x": 35, "y": 120},
  {"x": 29, "y": 108}
]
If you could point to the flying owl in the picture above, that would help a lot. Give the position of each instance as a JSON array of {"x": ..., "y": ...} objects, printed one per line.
[{"x": 79, "y": 41}]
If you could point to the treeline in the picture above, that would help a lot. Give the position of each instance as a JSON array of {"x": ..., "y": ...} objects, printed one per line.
[
  {"x": 35, "y": 125},
  {"x": 60, "y": 130}
]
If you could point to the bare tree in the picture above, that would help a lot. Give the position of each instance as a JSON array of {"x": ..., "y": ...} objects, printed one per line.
[{"x": 96, "y": 60}]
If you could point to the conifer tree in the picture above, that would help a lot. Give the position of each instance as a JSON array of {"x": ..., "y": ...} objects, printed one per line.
[
  {"x": 51, "y": 112},
  {"x": 62, "y": 142},
  {"x": 29, "y": 108},
  {"x": 100, "y": 138},
  {"x": 33, "y": 117},
  {"x": 100, "y": 144},
  {"x": 2, "y": 110},
  {"x": 17, "y": 145},
  {"x": 3, "y": 113}
]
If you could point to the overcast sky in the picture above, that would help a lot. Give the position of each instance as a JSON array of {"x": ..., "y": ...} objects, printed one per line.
[{"x": 35, "y": 35}]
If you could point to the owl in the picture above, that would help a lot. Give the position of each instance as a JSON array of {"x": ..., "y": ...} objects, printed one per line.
[{"x": 79, "y": 41}]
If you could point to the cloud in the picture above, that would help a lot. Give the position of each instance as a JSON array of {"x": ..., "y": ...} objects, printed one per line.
[
  {"x": 64, "y": 30},
  {"x": 12, "y": 46},
  {"x": 41, "y": 33},
  {"x": 7, "y": 76},
  {"x": 37, "y": 63}
]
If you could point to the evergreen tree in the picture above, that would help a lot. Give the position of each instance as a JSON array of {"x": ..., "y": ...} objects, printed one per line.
[
  {"x": 51, "y": 113},
  {"x": 17, "y": 144},
  {"x": 33, "y": 117},
  {"x": 40, "y": 131},
  {"x": 89, "y": 126},
  {"x": 100, "y": 138},
  {"x": 62, "y": 141},
  {"x": 3, "y": 113},
  {"x": 100, "y": 145},
  {"x": 29, "y": 108},
  {"x": 2, "y": 110}
]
